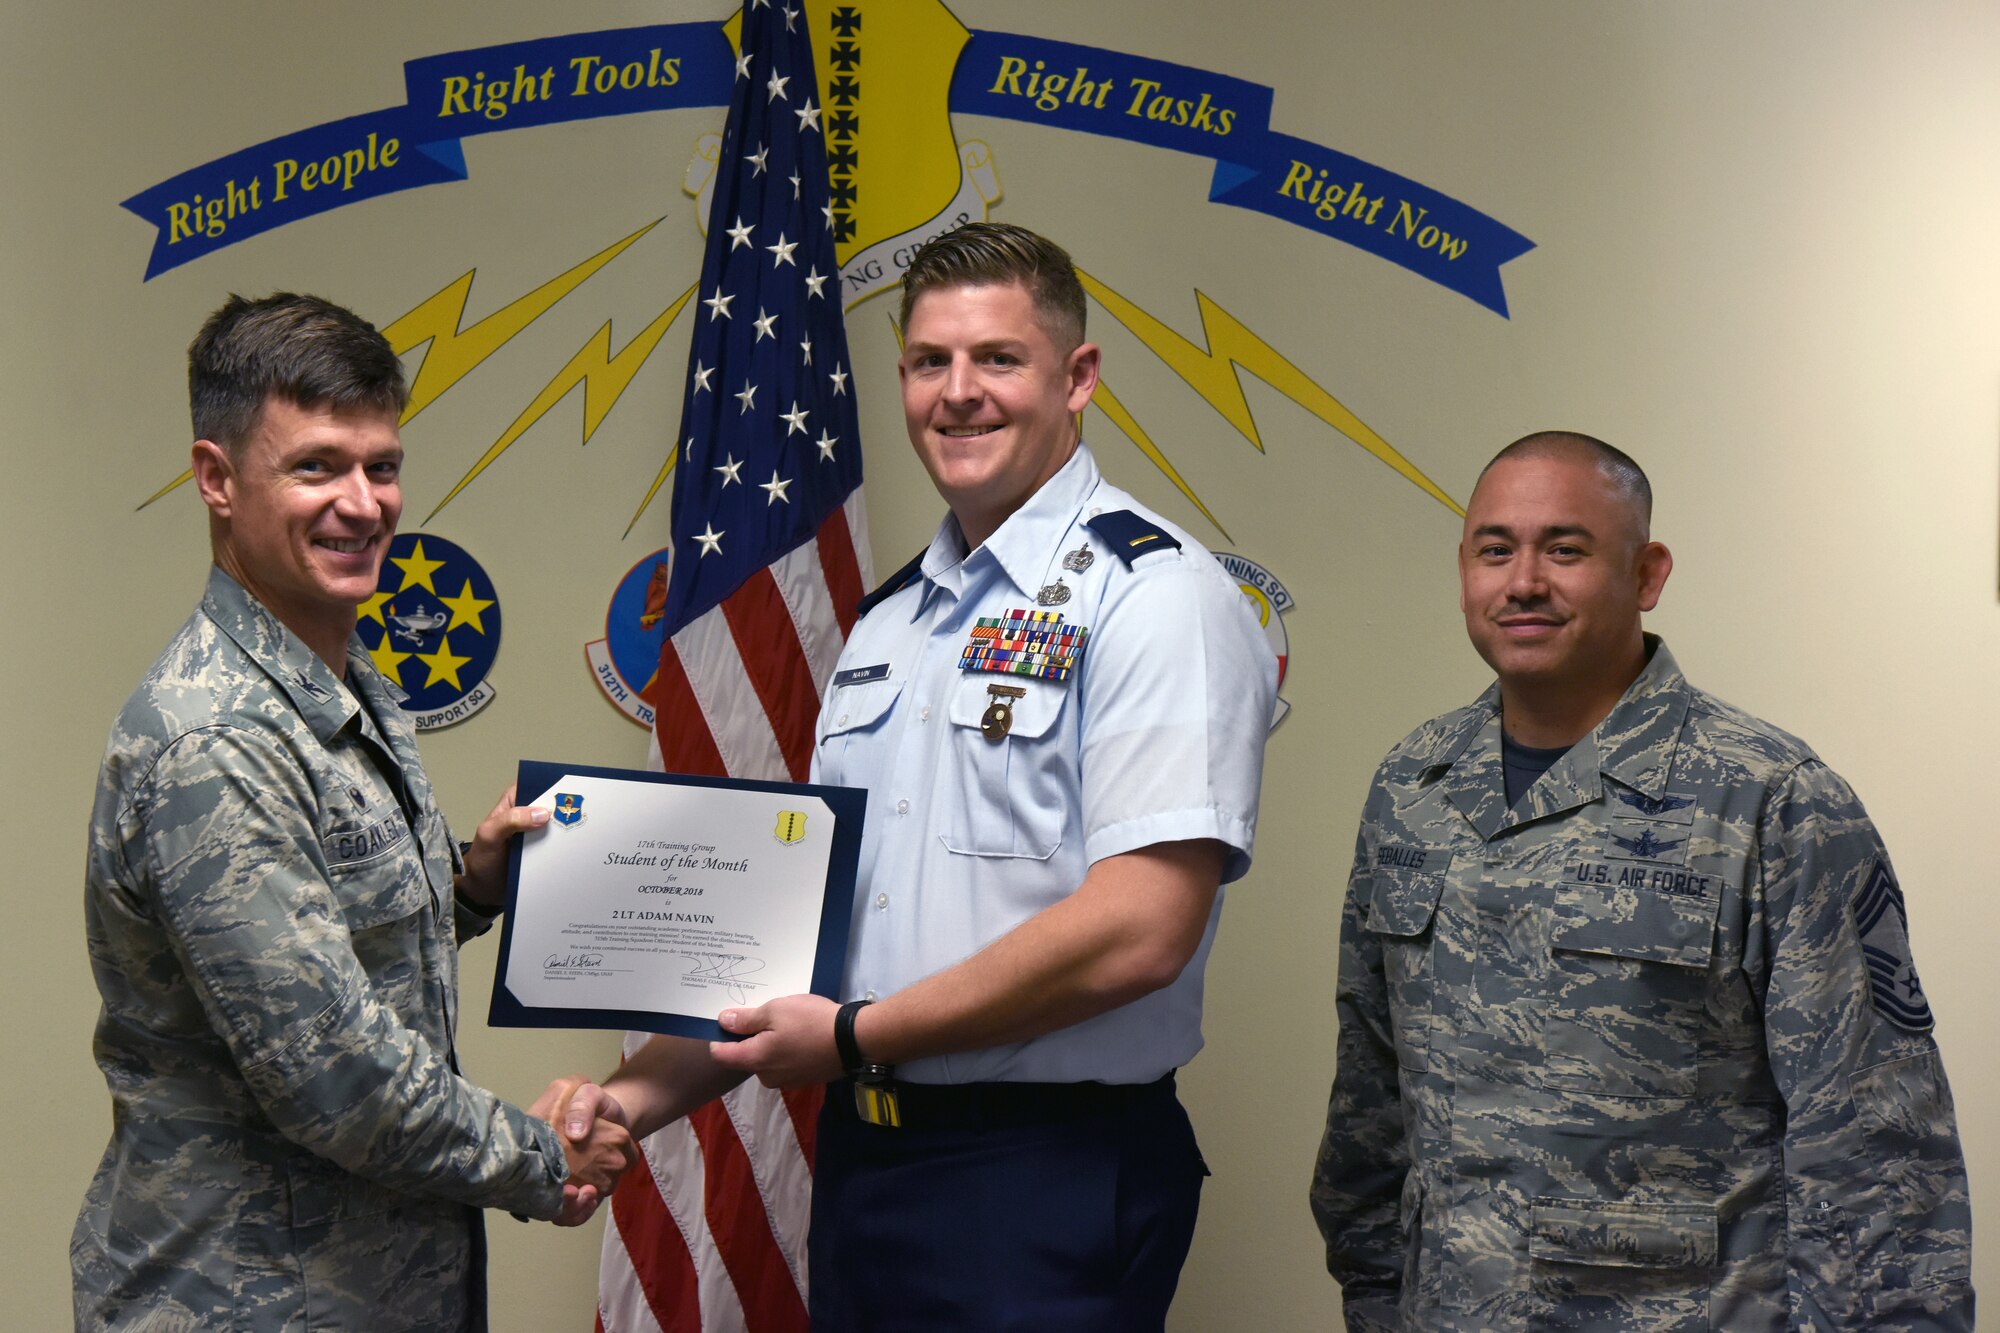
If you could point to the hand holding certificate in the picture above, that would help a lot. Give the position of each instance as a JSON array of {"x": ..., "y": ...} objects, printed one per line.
[{"x": 657, "y": 900}]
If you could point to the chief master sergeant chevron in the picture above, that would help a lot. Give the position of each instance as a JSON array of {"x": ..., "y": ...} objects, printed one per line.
[
  {"x": 1630, "y": 1035},
  {"x": 273, "y": 905},
  {"x": 1059, "y": 713}
]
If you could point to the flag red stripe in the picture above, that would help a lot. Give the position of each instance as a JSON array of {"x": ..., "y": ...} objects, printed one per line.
[
  {"x": 802, "y": 1104},
  {"x": 658, "y": 1253},
  {"x": 842, "y": 570},
  {"x": 768, "y": 642},
  {"x": 686, "y": 744},
  {"x": 742, "y": 1233}
]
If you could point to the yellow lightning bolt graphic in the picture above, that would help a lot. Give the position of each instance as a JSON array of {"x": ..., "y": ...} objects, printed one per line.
[
  {"x": 604, "y": 378},
  {"x": 454, "y": 351},
  {"x": 1214, "y": 372}
]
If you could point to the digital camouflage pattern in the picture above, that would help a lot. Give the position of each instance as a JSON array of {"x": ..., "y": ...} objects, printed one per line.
[
  {"x": 1617, "y": 1059},
  {"x": 291, "y": 1145}
]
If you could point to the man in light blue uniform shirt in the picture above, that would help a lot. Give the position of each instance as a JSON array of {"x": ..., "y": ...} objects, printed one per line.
[{"x": 1059, "y": 713}]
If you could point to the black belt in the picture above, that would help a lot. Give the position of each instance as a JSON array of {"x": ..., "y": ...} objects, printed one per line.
[{"x": 974, "y": 1106}]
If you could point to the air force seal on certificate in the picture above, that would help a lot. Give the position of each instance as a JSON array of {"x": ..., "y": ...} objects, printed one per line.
[{"x": 433, "y": 628}]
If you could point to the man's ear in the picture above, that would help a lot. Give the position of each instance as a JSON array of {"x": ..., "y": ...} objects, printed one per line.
[
  {"x": 1082, "y": 366},
  {"x": 1655, "y": 563},
  {"x": 214, "y": 477}
]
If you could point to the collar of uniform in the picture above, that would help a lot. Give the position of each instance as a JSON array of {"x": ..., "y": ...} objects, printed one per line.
[
  {"x": 296, "y": 669},
  {"x": 1021, "y": 545},
  {"x": 1635, "y": 744}
]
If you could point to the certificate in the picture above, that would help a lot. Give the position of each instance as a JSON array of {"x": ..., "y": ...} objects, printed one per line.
[{"x": 657, "y": 900}]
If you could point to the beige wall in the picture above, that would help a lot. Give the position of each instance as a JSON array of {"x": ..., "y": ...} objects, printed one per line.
[{"x": 1765, "y": 266}]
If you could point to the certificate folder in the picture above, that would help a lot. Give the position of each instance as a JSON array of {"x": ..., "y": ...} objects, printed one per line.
[{"x": 656, "y": 900}]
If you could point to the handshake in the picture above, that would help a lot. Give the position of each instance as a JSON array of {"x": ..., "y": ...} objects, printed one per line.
[{"x": 596, "y": 1140}]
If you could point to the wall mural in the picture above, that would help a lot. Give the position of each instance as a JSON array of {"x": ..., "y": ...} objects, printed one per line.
[{"x": 894, "y": 76}]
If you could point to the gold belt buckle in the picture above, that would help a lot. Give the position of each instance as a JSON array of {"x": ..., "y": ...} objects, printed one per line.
[{"x": 875, "y": 1102}]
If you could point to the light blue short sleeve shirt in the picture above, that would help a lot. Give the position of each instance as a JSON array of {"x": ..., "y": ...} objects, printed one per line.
[{"x": 1156, "y": 735}]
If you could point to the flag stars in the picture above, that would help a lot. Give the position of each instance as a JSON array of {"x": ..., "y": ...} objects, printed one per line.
[
  {"x": 702, "y": 374},
  {"x": 790, "y": 15},
  {"x": 815, "y": 281},
  {"x": 740, "y": 233},
  {"x": 795, "y": 420},
  {"x": 758, "y": 162},
  {"x": 775, "y": 489},
  {"x": 827, "y": 209},
  {"x": 776, "y": 87},
  {"x": 711, "y": 540},
  {"x": 783, "y": 250},
  {"x": 764, "y": 324},
  {"x": 743, "y": 64},
  {"x": 718, "y": 305},
  {"x": 795, "y": 186},
  {"x": 807, "y": 348},
  {"x": 748, "y": 397},
  {"x": 826, "y": 443},
  {"x": 839, "y": 378},
  {"x": 731, "y": 470},
  {"x": 808, "y": 116}
]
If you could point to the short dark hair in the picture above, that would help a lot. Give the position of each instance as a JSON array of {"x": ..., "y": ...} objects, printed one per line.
[
  {"x": 300, "y": 348},
  {"x": 1618, "y": 467},
  {"x": 981, "y": 254}
]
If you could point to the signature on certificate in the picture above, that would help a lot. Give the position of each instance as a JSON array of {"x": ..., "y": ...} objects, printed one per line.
[
  {"x": 559, "y": 962},
  {"x": 728, "y": 970}
]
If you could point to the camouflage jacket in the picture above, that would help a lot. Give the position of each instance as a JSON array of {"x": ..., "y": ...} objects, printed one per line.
[
  {"x": 270, "y": 918},
  {"x": 1644, "y": 1052}
]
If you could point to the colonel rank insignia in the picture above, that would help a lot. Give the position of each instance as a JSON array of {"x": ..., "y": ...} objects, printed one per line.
[{"x": 1025, "y": 643}]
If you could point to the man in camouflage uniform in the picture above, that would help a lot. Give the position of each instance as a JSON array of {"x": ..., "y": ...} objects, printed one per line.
[
  {"x": 273, "y": 904},
  {"x": 1630, "y": 1037}
]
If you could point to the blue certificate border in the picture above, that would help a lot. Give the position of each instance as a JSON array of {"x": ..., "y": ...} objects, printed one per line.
[{"x": 849, "y": 806}]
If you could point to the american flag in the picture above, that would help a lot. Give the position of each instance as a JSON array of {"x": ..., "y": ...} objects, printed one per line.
[{"x": 769, "y": 561}]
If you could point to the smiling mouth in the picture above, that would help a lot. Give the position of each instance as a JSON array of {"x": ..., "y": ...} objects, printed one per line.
[
  {"x": 965, "y": 432},
  {"x": 352, "y": 547}
]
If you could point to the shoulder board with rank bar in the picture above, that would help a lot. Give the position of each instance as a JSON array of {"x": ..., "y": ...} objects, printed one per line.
[
  {"x": 892, "y": 585},
  {"x": 1025, "y": 643},
  {"x": 1130, "y": 535}
]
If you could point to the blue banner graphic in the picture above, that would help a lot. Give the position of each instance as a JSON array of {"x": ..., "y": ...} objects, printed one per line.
[
  {"x": 584, "y": 75},
  {"x": 450, "y": 96}
]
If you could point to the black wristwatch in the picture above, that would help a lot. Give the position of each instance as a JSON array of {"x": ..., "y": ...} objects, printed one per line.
[{"x": 852, "y": 1062}]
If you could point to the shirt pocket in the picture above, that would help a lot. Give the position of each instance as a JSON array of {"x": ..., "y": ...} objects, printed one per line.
[
  {"x": 382, "y": 900},
  {"x": 1628, "y": 992},
  {"x": 852, "y": 720},
  {"x": 1402, "y": 912},
  {"x": 1006, "y": 797},
  {"x": 1602, "y": 1264}
]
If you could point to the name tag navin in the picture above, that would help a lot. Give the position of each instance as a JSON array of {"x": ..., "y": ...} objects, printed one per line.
[
  {"x": 861, "y": 675},
  {"x": 1025, "y": 643}
]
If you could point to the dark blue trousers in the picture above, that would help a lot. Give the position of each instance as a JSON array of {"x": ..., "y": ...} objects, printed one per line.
[{"x": 1035, "y": 1208}]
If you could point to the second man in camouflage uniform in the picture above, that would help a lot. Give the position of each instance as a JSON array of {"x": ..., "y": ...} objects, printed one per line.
[{"x": 1630, "y": 1036}]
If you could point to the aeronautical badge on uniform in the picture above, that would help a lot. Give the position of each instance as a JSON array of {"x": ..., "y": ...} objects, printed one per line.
[{"x": 1880, "y": 919}]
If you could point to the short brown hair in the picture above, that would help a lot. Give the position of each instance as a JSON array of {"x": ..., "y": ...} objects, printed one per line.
[
  {"x": 300, "y": 348},
  {"x": 981, "y": 254}
]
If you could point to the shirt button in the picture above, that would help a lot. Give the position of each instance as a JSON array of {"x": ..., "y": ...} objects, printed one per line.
[
  {"x": 881, "y": 902},
  {"x": 842, "y": 722},
  {"x": 1095, "y": 512},
  {"x": 902, "y": 807},
  {"x": 925, "y": 714}
]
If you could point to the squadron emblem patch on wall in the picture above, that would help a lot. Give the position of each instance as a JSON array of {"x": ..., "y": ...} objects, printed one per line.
[{"x": 433, "y": 628}]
